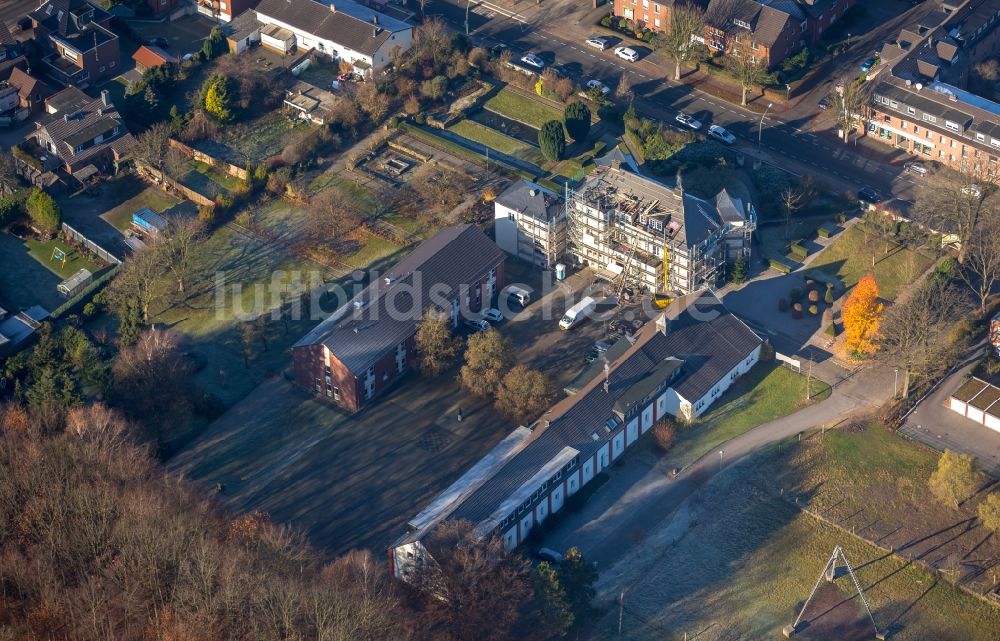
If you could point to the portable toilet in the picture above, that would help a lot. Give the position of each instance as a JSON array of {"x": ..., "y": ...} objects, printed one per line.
[{"x": 560, "y": 271}]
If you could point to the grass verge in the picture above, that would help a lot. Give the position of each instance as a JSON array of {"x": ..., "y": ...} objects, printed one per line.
[
  {"x": 496, "y": 140},
  {"x": 75, "y": 260},
  {"x": 766, "y": 393},
  {"x": 849, "y": 258},
  {"x": 518, "y": 107}
]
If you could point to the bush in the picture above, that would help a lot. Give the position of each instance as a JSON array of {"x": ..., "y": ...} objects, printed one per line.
[
  {"x": 813, "y": 296},
  {"x": 841, "y": 218},
  {"x": 206, "y": 215},
  {"x": 831, "y": 330},
  {"x": 420, "y": 118},
  {"x": 779, "y": 265},
  {"x": 552, "y": 140},
  {"x": 43, "y": 211},
  {"x": 795, "y": 294},
  {"x": 664, "y": 433},
  {"x": 813, "y": 310},
  {"x": 797, "y": 310},
  {"x": 766, "y": 353},
  {"x": 782, "y": 305},
  {"x": 89, "y": 310},
  {"x": 823, "y": 232},
  {"x": 606, "y": 22},
  {"x": 798, "y": 250},
  {"x": 828, "y": 298},
  {"x": 393, "y": 122}
]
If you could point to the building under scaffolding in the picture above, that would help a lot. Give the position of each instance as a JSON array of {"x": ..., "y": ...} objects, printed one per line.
[{"x": 642, "y": 234}]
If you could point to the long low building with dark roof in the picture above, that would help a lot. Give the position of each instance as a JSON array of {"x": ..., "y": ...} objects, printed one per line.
[
  {"x": 368, "y": 343},
  {"x": 675, "y": 366}
]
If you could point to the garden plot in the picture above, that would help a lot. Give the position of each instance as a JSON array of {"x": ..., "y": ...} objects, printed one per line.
[{"x": 252, "y": 142}]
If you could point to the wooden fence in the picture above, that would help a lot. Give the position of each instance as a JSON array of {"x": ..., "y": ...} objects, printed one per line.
[{"x": 208, "y": 159}]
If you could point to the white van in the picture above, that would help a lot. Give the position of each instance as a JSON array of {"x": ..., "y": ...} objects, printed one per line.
[
  {"x": 521, "y": 296},
  {"x": 577, "y": 313}
]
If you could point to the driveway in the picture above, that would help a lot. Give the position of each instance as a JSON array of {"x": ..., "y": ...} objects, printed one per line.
[
  {"x": 933, "y": 424},
  {"x": 640, "y": 494}
]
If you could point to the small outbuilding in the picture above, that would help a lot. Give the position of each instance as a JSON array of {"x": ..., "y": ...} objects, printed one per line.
[
  {"x": 75, "y": 283},
  {"x": 148, "y": 222},
  {"x": 979, "y": 401}
]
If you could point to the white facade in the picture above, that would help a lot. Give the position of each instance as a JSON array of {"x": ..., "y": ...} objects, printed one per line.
[
  {"x": 305, "y": 40},
  {"x": 523, "y": 236},
  {"x": 698, "y": 407}
]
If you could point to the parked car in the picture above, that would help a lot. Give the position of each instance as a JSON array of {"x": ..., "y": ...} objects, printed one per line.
[
  {"x": 688, "y": 121},
  {"x": 548, "y": 554},
  {"x": 868, "y": 64},
  {"x": 915, "y": 168},
  {"x": 602, "y": 346},
  {"x": 597, "y": 84},
  {"x": 493, "y": 315},
  {"x": 824, "y": 103},
  {"x": 498, "y": 49},
  {"x": 627, "y": 53},
  {"x": 598, "y": 42},
  {"x": 720, "y": 134},
  {"x": 477, "y": 324},
  {"x": 869, "y": 195},
  {"x": 532, "y": 60},
  {"x": 577, "y": 313}
]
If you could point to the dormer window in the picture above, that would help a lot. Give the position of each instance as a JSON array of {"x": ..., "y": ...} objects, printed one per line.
[
  {"x": 952, "y": 125},
  {"x": 741, "y": 23}
]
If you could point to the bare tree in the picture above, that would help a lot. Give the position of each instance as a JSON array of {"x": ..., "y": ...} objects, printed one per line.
[
  {"x": 914, "y": 333},
  {"x": 330, "y": 218},
  {"x": 750, "y": 71},
  {"x": 954, "y": 202},
  {"x": 375, "y": 102},
  {"x": 523, "y": 394},
  {"x": 475, "y": 589},
  {"x": 794, "y": 197},
  {"x": 981, "y": 269},
  {"x": 624, "y": 88},
  {"x": 137, "y": 282},
  {"x": 686, "y": 21},
  {"x": 151, "y": 379},
  {"x": 153, "y": 146},
  {"x": 851, "y": 103},
  {"x": 177, "y": 247}
]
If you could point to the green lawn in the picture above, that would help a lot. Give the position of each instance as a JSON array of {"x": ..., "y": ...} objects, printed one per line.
[
  {"x": 745, "y": 562},
  {"x": 849, "y": 258},
  {"x": 371, "y": 249},
  {"x": 152, "y": 197},
  {"x": 42, "y": 252},
  {"x": 518, "y": 107},
  {"x": 207, "y": 180},
  {"x": 767, "y": 392},
  {"x": 499, "y": 141}
]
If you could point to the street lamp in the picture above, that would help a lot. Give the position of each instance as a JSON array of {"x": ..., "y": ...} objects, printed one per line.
[
  {"x": 468, "y": 3},
  {"x": 895, "y": 380},
  {"x": 721, "y": 452},
  {"x": 760, "y": 127}
]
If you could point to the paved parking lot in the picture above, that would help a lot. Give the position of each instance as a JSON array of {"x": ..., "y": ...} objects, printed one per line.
[{"x": 353, "y": 481}]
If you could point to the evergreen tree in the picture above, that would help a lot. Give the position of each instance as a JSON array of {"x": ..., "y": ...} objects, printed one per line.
[
  {"x": 577, "y": 119},
  {"x": 555, "y": 612},
  {"x": 552, "y": 140}
]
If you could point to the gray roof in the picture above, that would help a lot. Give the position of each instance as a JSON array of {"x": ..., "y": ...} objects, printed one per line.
[
  {"x": 88, "y": 117},
  {"x": 533, "y": 200},
  {"x": 702, "y": 339},
  {"x": 386, "y": 314},
  {"x": 338, "y": 22}
]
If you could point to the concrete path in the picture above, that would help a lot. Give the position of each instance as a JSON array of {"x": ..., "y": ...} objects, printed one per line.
[{"x": 640, "y": 495}]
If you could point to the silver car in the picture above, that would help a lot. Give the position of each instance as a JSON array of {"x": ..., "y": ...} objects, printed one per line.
[{"x": 532, "y": 60}]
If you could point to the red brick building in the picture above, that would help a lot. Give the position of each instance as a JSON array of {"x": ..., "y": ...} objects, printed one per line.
[
  {"x": 774, "y": 30},
  {"x": 653, "y": 15},
  {"x": 368, "y": 343},
  {"x": 920, "y": 103},
  {"x": 82, "y": 49}
]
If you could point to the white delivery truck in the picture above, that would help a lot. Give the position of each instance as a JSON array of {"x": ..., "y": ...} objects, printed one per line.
[{"x": 577, "y": 313}]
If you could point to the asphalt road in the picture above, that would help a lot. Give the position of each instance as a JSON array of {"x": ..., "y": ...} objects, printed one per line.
[{"x": 789, "y": 140}]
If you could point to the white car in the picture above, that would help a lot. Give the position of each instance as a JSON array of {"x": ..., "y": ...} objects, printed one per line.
[
  {"x": 532, "y": 60},
  {"x": 916, "y": 168},
  {"x": 493, "y": 315},
  {"x": 627, "y": 53},
  {"x": 597, "y": 84},
  {"x": 688, "y": 121},
  {"x": 598, "y": 42},
  {"x": 720, "y": 134}
]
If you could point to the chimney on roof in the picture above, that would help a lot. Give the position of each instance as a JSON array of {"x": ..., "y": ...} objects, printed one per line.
[
  {"x": 375, "y": 20},
  {"x": 532, "y": 192},
  {"x": 105, "y": 97},
  {"x": 661, "y": 324},
  {"x": 66, "y": 117},
  {"x": 333, "y": 7},
  {"x": 607, "y": 373},
  {"x": 918, "y": 86},
  {"x": 908, "y": 82}
]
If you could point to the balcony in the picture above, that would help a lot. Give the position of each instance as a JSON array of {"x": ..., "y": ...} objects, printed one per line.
[{"x": 65, "y": 71}]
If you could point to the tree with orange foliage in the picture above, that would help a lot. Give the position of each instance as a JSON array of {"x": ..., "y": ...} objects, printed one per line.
[{"x": 861, "y": 315}]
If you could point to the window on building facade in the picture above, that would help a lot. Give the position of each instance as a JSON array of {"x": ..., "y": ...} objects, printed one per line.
[
  {"x": 994, "y": 142},
  {"x": 928, "y": 118},
  {"x": 913, "y": 112},
  {"x": 656, "y": 22},
  {"x": 951, "y": 125},
  {"x": 656, "y": 8},
  {"x": 893, "y": 104},
  {"x": 980, "y": 137}
]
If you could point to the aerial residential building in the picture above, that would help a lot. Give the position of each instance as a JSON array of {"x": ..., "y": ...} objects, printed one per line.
[
  {"x": 82, "y": 48},
  {"x": 149, "y": 57},
  {"x": 223, "y": 10},
  {"x": 676, "y": 366},
  {"x": 83, "y": 135},
  {"x": 32, "y": 92},
  {"x": 368, "y": 343},
  {"x": 919, "y": 103},
  {"x": 11, "y": 54},
  {"x": 638, "y": 231},
  {"x": 772, "y": 30},
  {"x": 343, "y": 29},
  {"x": 531, "y": 223},
  {"x": 652, "y": 14}
]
